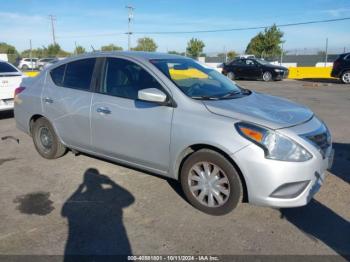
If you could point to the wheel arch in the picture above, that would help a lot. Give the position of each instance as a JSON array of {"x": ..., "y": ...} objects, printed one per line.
[{"x": 195, "y": 147}]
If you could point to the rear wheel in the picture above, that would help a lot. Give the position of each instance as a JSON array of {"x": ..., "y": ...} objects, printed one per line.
[
  {"x": 267, "y": 76},
  {"x": 345, "y": 77},
  {"x": 231, "y": 75},
  {"x": 210, "y": 182},
  {"x": 24, "y": 67},
  {"x": 46, "y": 141}
]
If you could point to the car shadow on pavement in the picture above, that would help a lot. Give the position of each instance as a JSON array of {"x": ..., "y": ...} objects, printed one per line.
[
  {"x": 321, "y": 80},
  {"x": 95, "y": 219},
  {"x": 341, "y": 163},
  {"x": 321, "y": 224},
  {"x": 6, "y": 114}
]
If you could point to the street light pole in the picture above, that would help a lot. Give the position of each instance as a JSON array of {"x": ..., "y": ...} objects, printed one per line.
[{"x": 130, "y": 17}]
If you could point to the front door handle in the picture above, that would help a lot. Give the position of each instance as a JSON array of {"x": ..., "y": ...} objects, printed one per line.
[
  {"x": 48, "y": 100},
  {"x": 103, "y": 110}
]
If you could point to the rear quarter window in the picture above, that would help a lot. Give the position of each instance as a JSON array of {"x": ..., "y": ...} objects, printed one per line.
[{"x": 57, "y": 75}]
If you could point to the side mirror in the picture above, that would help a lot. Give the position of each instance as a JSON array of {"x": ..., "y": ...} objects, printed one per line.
[{"x": 152, "y": 95}]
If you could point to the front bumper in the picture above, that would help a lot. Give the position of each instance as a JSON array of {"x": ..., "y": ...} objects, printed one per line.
[
  {"x": 282, "y": 75},
  {"x": 279, "y": 183}
]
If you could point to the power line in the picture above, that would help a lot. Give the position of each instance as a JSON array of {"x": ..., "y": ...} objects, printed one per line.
[
  {"x": 215, "y": 30},
  {"x": 243, "y": 28}
]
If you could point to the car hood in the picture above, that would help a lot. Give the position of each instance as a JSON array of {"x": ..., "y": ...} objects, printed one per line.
[{"x": 265, "y": 110}]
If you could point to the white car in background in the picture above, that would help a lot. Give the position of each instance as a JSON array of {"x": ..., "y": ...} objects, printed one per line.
[
  {"x": 10, "y": 79},
  {"x": 43, "y": 61},
  {"x": 28, "y": 63}
]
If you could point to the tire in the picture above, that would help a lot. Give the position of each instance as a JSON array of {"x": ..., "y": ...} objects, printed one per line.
[
  {"x": 267, "y": 76},
  {"x": 231, "y": 76},
  {"x": 230, "y": 189},
  {"x": 24, "y": 67},
  {"x": 46, "y": 141},
  {"x": 345, "y": 77}
]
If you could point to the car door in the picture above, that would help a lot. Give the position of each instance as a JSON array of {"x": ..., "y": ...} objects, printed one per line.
[
  {"x": 236, "y": 67},
  {"x": 251, "y": 69},
  {"x": 66, "y": 101},
  {"x": 124, "y": 127}
]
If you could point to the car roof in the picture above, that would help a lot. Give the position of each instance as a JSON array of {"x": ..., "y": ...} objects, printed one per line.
[{"x": 136, "y": 54}]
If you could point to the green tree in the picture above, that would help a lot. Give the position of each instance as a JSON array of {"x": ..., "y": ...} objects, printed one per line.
[
  {"x": 231, "y": 55},
  {"x": 195, "y": 47},
  {"x": 10, "y": 51},
  {"x": 79, "y": 50},
  {"x": 53, "y": 49},
  {"x": 37, "y": 52},
  {"x": 266, "y": 43},
  {"x": 145, "y": 44},
  {"x": 111, "y": 47}
]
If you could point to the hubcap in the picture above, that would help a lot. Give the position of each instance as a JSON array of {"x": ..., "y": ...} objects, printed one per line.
[
  {"x": 266, "y": 76},
  {"x": 346, "y": 78},
  {"x": 231, "y": 76},
  {"x": 209, "y": 184},
  {"x": 45, "y": 137}
]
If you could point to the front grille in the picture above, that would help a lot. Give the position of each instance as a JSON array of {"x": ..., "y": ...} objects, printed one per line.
[{"x": 321, "y": 139}]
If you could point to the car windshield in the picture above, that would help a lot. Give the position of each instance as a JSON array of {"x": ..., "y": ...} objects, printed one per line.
[
  {"x": 197, "y": 80},
  {"x": 262, "y": 61}
]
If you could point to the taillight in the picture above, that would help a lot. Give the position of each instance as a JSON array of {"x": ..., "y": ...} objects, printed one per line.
[{"x": 19, "y": 90}]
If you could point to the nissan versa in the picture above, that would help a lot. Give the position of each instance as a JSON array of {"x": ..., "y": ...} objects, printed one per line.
[{"x": 172, "y": 116}]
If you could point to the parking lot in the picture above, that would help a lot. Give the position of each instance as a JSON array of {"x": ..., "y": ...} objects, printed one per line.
[{"x": 42, "y": 203}]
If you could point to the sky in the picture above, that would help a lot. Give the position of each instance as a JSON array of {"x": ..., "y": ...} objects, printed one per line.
[{"x": 96, "y": 23}]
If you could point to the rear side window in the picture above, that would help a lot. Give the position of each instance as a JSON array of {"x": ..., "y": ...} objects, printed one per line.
[
  {"x": 79, "y": 73},
  {"x": 57, "y": 75},
  {"x": 6, "y": 68},
  {"x": 76, "y": 75}
]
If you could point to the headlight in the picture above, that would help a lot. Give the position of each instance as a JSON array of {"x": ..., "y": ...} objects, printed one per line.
[
  {"x": 275, "y": 145},
  {"x": 279, "y": 70}
]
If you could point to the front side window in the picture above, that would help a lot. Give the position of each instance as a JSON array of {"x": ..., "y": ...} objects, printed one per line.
[
  {"x": 124, "y": 78},
  {"x": 6, "y": 68},
  {"x": 197, "y": 81}
]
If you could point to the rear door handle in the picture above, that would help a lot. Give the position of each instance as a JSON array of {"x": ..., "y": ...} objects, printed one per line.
[
  {"x": 48, "y": 100},
  {"x": 103, "y": 110}
]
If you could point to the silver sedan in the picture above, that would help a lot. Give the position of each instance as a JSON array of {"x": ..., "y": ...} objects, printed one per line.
[{"x": 175, "y": 117}]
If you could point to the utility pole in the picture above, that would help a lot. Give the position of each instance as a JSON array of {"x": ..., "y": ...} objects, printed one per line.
[
  {"x": 130, "y": 17},
  {"x": 281, "y": 59},
  {"x": 30, "y": 53},
  {"x": 325, "y": 63},
  {"x": 53, "y": 18}
]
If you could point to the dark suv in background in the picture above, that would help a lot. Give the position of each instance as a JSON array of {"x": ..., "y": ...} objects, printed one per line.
[
  {"x": 249, "y": 68},
  {"x": 341, "y": 68}
]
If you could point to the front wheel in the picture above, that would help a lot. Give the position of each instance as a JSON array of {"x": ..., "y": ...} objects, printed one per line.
[
  {"x": 210, "y": 182},
  {"x": 46, "y": 141},
  {"x": 345, "y": 78},
  {"x": 267, "y": 76}
]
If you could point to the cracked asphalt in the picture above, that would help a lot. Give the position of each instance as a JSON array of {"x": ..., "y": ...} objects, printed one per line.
[{"x": 83, "y": 205}]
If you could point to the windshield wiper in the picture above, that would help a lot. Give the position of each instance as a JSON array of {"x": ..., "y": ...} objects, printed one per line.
[
  {"x": 205, "y": 97},
  {"x": 231, "y": 94}
]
